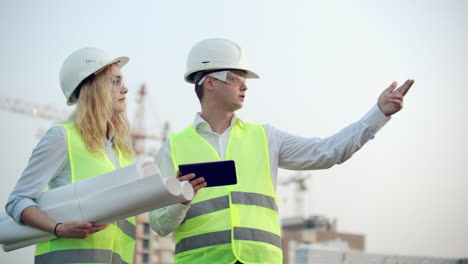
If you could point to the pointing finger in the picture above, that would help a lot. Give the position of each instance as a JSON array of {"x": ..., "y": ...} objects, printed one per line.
[{"x": 405, "y": 87}]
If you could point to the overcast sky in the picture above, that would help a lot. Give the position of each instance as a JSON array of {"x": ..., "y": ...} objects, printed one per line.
[{"x": 322, "y": 67}]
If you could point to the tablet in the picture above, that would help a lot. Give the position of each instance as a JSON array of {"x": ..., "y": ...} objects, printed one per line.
[{"x": 216, "y": 173}]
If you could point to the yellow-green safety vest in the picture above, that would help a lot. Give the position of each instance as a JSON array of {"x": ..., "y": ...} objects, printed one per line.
[
  {"x": 116, "y": 243},
  {"x": 230, "y": 223}
]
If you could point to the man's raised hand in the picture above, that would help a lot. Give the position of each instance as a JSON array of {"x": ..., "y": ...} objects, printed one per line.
[{"x": 391, "y": 99}]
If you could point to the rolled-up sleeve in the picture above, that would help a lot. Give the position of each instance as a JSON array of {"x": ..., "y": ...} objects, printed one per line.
[{"x": 47, "y": 160}]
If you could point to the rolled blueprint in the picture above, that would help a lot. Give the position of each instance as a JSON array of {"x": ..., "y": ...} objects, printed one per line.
[{"x": 103, "y": 199}]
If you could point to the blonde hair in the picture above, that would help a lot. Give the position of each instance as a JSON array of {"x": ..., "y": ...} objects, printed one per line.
[{"x": 94, "y": 116}]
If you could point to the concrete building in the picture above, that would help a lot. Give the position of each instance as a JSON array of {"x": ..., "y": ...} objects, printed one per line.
[
  {"x": 317, "y": 230},
  {"x": 311, "y": 240},
  {"x": 151, "y": 248},
  {"x": 307, "y": 253}
]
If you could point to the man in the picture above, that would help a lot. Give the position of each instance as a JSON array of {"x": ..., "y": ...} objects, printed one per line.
[{"x": 239, "y": 223}]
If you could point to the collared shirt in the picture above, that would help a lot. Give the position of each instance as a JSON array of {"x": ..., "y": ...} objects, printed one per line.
[
  {"x": 48, "y": 167},
  {"x": 285, "y": 151}
]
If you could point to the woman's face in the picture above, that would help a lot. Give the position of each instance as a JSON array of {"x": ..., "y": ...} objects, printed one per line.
[{"x": 119, "y": 90}]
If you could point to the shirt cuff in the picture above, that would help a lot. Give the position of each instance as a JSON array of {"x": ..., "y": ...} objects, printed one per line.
[
  {"x": 165, "y": 220},
  {"x": 179, "y": 209},
  {"x": 375, "y": 118},
  {"x": 19, "y": 208}
]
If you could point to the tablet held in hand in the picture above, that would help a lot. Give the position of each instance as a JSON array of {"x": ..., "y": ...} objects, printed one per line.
[{"x": 216, "y": 173}]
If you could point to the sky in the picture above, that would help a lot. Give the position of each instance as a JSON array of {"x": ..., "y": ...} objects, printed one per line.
[{"x": 322, "y": 64}]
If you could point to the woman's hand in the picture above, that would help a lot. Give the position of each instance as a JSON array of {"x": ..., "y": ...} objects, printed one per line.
[
  {"x": 32, "y": 216},
  {"x": 78, "y": 229}
]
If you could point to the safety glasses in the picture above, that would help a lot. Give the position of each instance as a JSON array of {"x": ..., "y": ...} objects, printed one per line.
[
  {"x": 227, "y": 77},
  {"x": 118, "y": 81}
]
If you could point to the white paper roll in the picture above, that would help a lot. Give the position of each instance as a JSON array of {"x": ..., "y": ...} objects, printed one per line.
[
  {"x": 108, "y": 180},
  {"x": 26, "y": 243},
  {"x": 187, "y": 191},
  {"x": 128, "y": 200},
  {"x": 103, "y": 199}
]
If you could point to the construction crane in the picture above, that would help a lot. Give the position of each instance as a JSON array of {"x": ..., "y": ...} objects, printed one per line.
[
  {"x": 300, "y": 189},
  {"x": 48, "y": 112},
  {"x": 139, "y": 133}
]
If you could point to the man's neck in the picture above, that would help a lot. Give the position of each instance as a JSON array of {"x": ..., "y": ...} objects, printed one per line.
[{"x": 219, "y": 121}]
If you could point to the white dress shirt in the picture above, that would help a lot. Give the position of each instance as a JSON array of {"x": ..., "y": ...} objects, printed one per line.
[{"x": 285, "y": 151}]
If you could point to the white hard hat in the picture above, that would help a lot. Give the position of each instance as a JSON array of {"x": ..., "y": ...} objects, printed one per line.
[
  {"x": 80, "y": 65},
  {"x": 216, "y": 54}
]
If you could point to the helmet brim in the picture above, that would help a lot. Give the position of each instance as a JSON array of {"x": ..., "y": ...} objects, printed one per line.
[{"x": 189, "y": 77}]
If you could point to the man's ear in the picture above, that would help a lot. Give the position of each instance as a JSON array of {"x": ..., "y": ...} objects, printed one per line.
[{"x": 208, "y": 83}]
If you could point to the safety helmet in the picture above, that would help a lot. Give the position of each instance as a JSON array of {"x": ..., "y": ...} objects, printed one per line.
[
  {"x": 215, "y": 54},
  {"x": 80, "y": 65}
]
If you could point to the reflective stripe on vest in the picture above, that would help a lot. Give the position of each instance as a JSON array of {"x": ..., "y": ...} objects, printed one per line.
[
  {"x": 220, "y": 203},
  {"x": 224, "y": 237},
  {"x": 127, "y": 228},
  {"x": 234, "y": 222},
  {"x": 115, "y": 243},
  {"x": 79, "y": 256}
]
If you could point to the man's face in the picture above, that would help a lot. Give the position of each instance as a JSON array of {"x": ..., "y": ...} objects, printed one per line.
[{"x": 231, "y": 94}]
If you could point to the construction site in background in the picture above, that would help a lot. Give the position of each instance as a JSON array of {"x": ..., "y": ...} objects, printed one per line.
[{"x": 305, "y": 238}]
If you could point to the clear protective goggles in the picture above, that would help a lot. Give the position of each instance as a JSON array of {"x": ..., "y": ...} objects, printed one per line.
[
  {"x": 118, "y": 81},
  {"x": 227, "y": 77}
]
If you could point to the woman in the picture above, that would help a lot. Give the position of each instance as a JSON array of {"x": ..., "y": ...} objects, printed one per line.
[{"x": 96, "y": 140}]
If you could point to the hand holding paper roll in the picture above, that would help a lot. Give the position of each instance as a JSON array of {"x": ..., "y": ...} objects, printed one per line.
[
  {"x": 77, "y": 229},
  {"x": 33, "y": 217}
]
